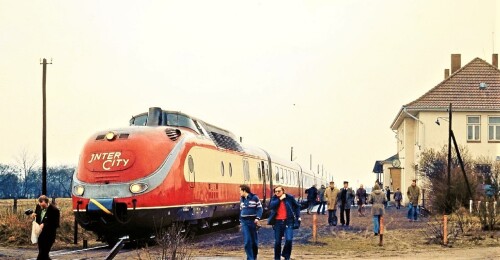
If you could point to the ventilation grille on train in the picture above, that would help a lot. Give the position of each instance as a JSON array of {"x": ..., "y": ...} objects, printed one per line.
[
  {"x": 173, "y": 134},
  {"x": 226, "y": 142}
]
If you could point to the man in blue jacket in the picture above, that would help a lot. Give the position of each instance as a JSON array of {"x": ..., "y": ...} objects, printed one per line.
[
  {"x": 251, "y": 212},
  {"x": 285, "y": 210}
]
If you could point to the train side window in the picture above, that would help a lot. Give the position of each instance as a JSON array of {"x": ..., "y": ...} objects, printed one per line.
[
  {"x": 230, "y": 170},
  {"x": 222, "y": 168},
  {"x": 266, "y": 169},
  {"x": 246, "y": 172},
  {"x": 282, "y": 178},
  {"x": 277, "y": 174}
]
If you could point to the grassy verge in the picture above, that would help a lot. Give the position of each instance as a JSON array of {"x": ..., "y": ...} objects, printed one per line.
[{"x": 15, "y": 227}]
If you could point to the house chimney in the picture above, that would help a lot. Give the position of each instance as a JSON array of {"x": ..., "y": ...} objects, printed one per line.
[
  {"x": 455, "y": 63},
  {"x": 446, "y": 73},
  {"x": 494, "y": 60}
]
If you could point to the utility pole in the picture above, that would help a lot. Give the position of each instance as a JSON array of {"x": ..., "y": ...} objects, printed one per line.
[
  {"x": 448, "y": 199},
  {"x": 44, "y": 128}
]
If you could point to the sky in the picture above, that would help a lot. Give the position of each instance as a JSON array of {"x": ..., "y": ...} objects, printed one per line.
[{"x": 324, "y": 77}]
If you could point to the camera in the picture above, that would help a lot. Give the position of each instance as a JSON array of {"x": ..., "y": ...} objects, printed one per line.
[{"x": 28, "y": 212}]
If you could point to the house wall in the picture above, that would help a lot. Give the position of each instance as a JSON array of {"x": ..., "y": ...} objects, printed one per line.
[
  {"x": 437, "y": 135},
  {"x": 414, "y": 137}
]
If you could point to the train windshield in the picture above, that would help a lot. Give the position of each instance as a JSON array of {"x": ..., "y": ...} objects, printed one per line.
[{"x": 166, "y": 119}]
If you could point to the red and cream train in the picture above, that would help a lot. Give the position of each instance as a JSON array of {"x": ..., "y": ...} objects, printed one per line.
[{"x": 169, "y": 167}]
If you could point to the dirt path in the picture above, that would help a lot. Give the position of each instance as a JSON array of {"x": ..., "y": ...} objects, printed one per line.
[{"x": 402, "y": 239}]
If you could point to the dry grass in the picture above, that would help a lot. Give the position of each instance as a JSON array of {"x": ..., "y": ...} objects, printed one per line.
[{"x": 15, "y": 228}]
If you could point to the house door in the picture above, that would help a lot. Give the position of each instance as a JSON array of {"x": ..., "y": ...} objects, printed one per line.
[{"x": 395, "y": 178}]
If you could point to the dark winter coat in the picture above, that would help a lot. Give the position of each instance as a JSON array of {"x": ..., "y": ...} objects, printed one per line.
[
  {"x": 312, "y": 193},
  {"x": 292, "y": 208},
  {"x": 398, "y": 195},
  {"x": 349, "y": 198},
  {"x": 361, "y": 194},
  {"x": 50, "y": 222}
]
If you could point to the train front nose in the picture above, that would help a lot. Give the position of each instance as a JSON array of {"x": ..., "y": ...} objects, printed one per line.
[{"x": 107, "y": 210}]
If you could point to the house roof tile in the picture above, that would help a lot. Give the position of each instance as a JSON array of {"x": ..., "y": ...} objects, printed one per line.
[{"x": 462, "y": 90}]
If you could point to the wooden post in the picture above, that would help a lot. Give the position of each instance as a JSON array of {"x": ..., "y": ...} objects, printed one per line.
[
  {"x": 470, "y": 206},
  {"x": 315, "y": 221},
  {"x": 381, "y": 222},
  {"x": 14, "y": 208},
  {"x": 445, "y": 229}
]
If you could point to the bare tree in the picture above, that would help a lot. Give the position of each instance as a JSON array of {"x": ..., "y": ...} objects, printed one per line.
[{"x": 26, "y": 166}]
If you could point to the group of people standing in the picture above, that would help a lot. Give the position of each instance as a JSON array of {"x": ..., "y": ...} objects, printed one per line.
[
  {"x": 332, "y": 198},
  {"x": 285, "y": 211}
]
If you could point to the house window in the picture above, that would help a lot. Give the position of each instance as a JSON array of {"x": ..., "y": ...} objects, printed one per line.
[
  {"x": 473, "y": 128},
  {"x": 494, "y": 128}
]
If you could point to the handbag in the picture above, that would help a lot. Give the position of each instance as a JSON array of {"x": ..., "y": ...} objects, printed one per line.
[{"x": 35, "y": 232}]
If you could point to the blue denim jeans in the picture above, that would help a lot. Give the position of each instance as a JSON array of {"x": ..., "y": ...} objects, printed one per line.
[
  {"x": 283, "y": 228},
  {"x": 321, "y": 204},
  {"x": 310, "y": 205},
  {"x": 332, "y": 217},
  {"x": 250, "y": 238},
  {"x": 376, "y": 224},
  {"x": 412, "y": 212}
]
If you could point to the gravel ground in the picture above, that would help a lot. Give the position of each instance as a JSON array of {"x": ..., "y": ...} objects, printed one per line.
[{"x": 402, "y": 239}]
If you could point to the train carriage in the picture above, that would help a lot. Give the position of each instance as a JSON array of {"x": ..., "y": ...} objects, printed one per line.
[{"x": 169, "y": 167}]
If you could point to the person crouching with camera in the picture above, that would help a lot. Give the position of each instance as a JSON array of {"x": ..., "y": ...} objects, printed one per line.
[
  {"x": 285, "y": 217},
  {"x": 47, "y": 215}
]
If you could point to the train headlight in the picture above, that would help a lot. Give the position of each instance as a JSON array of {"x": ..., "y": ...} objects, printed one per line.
[
  {"x": 78, "y": 190},
  {"x": 110, "y": 136},
  {"x": 138, "y": 187}
]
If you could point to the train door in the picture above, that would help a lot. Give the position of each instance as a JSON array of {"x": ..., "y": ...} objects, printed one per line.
[
  {"x": 246, "y": 172},
  {"x": 263, "y": 175}
]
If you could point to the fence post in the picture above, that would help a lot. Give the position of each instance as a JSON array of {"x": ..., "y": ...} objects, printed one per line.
[
  {"x": 315, "y": 220},
  {"x": 423, "y": 198},
  {"x": 14, "y": 208},
  {"x": 381, "y": 224},
  {"x": 478, "y": 206},
  {"x": 470, "y": 206},
  {"x": 445, "y": 229}
]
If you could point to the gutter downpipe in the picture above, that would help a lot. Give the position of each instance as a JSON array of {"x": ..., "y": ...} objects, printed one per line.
[{"x": 423, "y": 130}]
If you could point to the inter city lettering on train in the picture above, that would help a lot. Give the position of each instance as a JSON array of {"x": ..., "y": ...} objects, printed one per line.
[{"x": 110, "y": 159}]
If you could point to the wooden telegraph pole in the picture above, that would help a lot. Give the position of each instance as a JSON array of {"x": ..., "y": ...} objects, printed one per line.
[{"x": 44, "y": 128}]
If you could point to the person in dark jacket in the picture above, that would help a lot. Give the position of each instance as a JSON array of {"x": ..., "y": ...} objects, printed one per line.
[
  {"x": 388, "y": 194},
  {"x": 312, "y": 196},
  {"x": 322, "y": 200},
  {"x": 398, "y": 197},
  {"x": 285, "y": 210},
  {"x": 250, "y": 214},
  {"x": 47, "y": 216},
  {"x": 361, "y": 196},
  {"x": 345, "y": 199}
]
